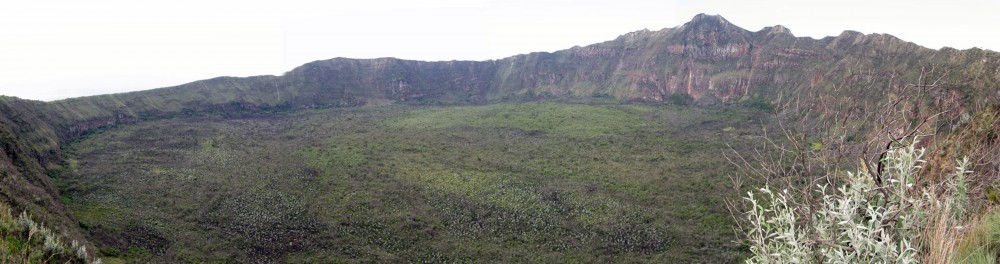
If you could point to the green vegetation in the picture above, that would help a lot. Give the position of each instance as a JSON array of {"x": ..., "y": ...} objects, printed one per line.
[
  {"x": 980, "y": 244},
  {"x": 22, "y": 240},
  {"x": 899, "y": 220},
  {"x": 848, "y": 219},
  {"x": 568, "y": 120},
  {"x": 757, "y": 102},
  {"x": 527, "y": 182}
]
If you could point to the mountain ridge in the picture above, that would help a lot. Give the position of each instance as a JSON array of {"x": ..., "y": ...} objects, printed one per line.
[{"x": 494, "y": 81}]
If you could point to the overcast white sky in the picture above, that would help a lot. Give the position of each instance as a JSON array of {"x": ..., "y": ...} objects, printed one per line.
[{"x": 59, "y": 49}]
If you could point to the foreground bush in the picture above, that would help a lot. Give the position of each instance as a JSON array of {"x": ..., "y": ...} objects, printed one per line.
[
  {"x": 861, "y": 221},
  {"x": 26, "y": 241}
]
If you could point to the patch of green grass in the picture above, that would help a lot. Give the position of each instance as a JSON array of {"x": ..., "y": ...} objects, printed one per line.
[
  {"x": 980, "y": 244},
  {"x": 569, "y": 120},
  {"x": 92, "y": 212},
  {"x": 334, "y": 158},
  {"x": 486, "y": 187}
]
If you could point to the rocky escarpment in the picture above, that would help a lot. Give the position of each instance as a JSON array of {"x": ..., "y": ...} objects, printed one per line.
[{"x": 708, "y": 59}]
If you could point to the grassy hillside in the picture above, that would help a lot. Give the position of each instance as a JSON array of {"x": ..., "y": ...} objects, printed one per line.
[
  {"x": 528, "y": 182},
  {"x": 29, "y": 153}
]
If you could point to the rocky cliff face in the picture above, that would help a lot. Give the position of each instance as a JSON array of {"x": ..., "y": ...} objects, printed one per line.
[{"x": 705, "y": 57}]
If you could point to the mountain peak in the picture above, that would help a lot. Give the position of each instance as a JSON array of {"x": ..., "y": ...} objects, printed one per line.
[
  {"x": 709, "y": 30},
  {"x": 777, "y": 30},
  {"x": 709, "y": 23},
  {"x": 706, "y": 19}
]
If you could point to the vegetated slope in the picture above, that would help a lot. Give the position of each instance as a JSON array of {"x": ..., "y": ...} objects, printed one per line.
[
  {"x": 525, "y": 182},
  {"x": 29, "y": 151}
]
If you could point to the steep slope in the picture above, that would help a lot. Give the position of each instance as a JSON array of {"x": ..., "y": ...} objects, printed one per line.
[
  {"x": 29, "y": 151},
  {"x": 644, "y": 65}
]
